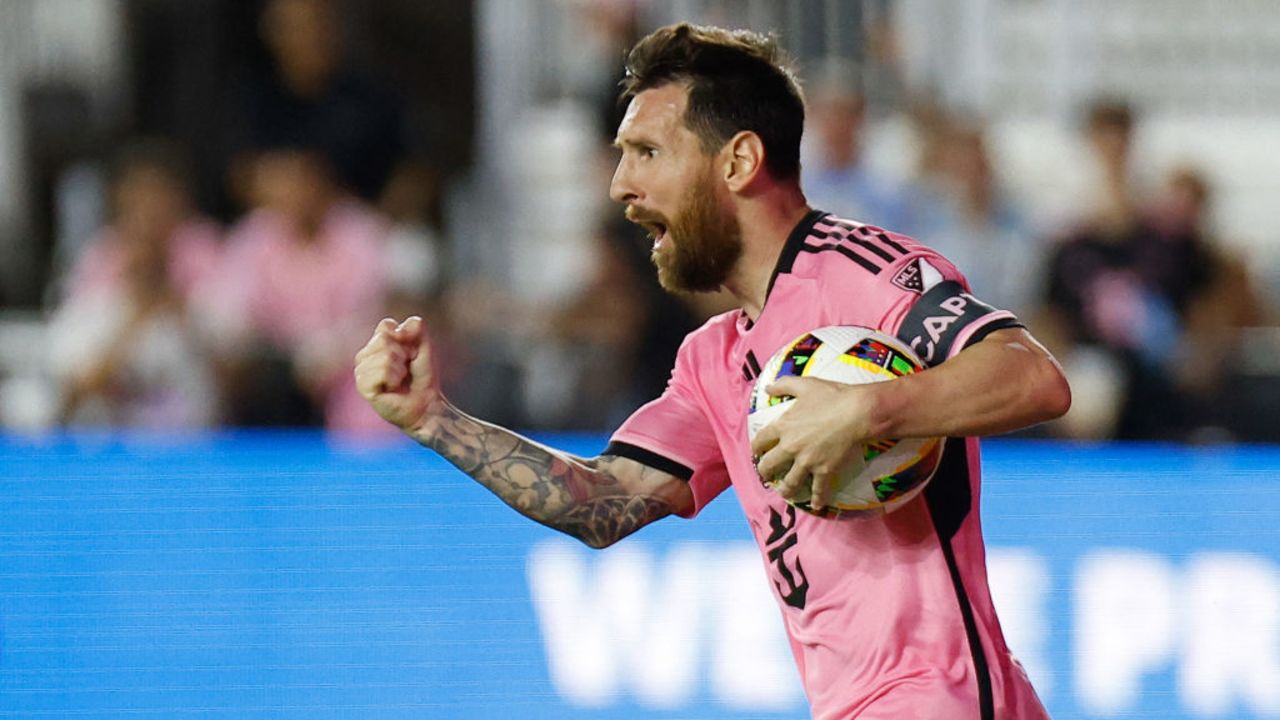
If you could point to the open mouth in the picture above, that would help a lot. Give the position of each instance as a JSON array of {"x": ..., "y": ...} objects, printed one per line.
[
  {"x": 658, "y": 232},
  {"x": 656, "y": 229}
]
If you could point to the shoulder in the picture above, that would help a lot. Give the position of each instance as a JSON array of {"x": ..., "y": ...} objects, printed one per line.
[
  {"x": 847, "y": 253},
  {"x": 705, "y": 349}
]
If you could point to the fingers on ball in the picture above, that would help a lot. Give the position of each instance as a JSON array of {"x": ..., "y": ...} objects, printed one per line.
[
  {"x": 772, "y": 464},
  {"x": 821, "y": 490},
  {"x": 795, "y": 479}
]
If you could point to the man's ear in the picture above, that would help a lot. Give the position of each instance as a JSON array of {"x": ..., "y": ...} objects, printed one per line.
[{"x": 743, "y": 160}]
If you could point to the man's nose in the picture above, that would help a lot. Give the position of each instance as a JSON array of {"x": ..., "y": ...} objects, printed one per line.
[{"x": 621, "y": 187}]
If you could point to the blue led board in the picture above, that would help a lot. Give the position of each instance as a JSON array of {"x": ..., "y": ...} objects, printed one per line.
[{"x": 275, "y": 576}]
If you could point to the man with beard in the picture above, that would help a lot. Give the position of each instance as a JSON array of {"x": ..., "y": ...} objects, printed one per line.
[{"x": 889, "y": 615}]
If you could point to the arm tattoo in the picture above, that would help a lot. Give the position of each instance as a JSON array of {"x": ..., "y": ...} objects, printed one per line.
[{"x": 581, "y": 498}]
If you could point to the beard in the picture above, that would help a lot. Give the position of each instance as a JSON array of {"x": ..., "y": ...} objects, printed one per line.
[{"x": 703, "y": 243}]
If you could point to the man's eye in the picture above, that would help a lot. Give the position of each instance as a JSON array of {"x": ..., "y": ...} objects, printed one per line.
[{"x": 649, "y": 152}]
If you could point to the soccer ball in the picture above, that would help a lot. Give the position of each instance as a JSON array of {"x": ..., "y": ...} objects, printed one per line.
[{"x": 889, "y": 472}]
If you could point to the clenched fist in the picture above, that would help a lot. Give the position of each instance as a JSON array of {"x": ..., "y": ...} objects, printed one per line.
[{"x": 393, "y": 372}]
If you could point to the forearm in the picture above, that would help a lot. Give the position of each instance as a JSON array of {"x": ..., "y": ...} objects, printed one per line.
[
  {"x": 1001, "y": 384},
  {"x": 577, "y": 496}
]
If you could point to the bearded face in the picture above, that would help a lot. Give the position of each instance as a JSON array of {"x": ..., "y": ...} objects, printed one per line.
[{"x": 695, "y": 249}]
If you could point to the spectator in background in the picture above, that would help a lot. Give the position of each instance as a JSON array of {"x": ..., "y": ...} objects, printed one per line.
[
  {"x": 315, "y": 97},
  {"x": 1228, "y": 303},
  {"x": 834, "y": 175},
  {"x": 124, "y": 342},
  {"x": 976, "y": 225},
  {"x": 1117, "y": 192},
  {"x": 1149, "y": 301},
  {"x": 305, "y": 272}
]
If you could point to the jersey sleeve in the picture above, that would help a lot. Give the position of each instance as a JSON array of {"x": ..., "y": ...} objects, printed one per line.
[
  {"x": 931, "y": 309},
  {"x": 674, "y": 435}
]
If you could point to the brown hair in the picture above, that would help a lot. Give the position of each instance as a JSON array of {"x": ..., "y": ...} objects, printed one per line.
[{"x": 738, "y": 80}]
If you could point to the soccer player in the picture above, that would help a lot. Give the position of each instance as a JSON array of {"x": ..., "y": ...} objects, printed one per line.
[{"x": 889, "y": 615}]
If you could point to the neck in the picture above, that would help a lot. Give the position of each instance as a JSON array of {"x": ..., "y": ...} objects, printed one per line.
[{"x": 767, "y": 220}]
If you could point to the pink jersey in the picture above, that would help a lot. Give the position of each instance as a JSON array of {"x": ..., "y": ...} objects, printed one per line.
[{"x": 889, "y": 616}]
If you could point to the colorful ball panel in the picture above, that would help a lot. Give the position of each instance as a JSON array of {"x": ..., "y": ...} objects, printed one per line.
[{"x": 890, "y": 471}]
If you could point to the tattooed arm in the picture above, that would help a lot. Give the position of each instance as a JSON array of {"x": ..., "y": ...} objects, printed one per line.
[{"x": 599, "y": 500}]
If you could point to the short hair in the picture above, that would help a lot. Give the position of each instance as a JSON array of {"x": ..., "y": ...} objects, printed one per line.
[{"x": 738, "y": 80}]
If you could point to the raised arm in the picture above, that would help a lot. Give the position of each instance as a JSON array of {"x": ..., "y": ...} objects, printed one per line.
[{"x": 597, "y": 500}]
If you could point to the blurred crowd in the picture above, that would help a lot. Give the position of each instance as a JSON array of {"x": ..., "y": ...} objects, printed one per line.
[
  {"x": 167, "y": 318},
  {"x": 1131, "y": 290}
]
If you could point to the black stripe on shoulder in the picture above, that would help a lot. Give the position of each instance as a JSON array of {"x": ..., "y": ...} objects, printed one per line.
[
  {"x": 843, "y": 224},
  {"x": 870, "y": 232},
  {"x": 650, "y": 458},
  {"x": 794, "y": 243},
  {"x": 881, "y": 252},
  {"x": 846, "y": 251},
  {"x": 883, "y": 237},
  {"x": 848, "y": 236}
]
